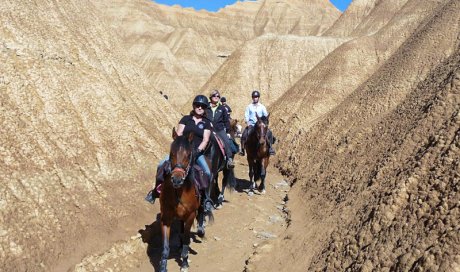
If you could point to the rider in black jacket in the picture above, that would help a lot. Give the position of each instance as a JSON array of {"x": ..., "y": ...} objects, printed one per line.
[{"x": 219, "y": 118}]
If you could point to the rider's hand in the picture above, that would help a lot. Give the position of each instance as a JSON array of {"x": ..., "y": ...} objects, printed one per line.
[{"x": 199, "y": 152}]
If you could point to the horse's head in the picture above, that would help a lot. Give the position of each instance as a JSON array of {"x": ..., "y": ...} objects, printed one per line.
[
  {"x": 261, "y": 128},
  {"x": 235, "y": 128},
  {"x": 181, "y": 157}
]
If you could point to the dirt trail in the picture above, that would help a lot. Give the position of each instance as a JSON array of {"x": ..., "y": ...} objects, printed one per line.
[{"x": 243, "y": 229}]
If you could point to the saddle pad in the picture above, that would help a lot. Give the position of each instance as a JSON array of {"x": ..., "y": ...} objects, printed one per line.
[{"x": 220, "y": 144}]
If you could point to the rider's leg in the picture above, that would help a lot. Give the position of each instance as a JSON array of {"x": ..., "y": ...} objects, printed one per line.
[
  {"x": 244, "y": 137},
  {"x": 270, "y": 142},
  {"x": 228, "y": 149},
  {"x": 154, "y": 194},
  {"x": 201, "y": 161}
]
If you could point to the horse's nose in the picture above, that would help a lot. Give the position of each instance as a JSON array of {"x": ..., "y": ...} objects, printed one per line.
[{"x": 177, "y": 181}]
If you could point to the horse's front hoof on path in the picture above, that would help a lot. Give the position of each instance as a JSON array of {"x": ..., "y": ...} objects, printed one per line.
[
  {"x": 184, "y": 268},
  {"x": 219, "y": 206},
  {"x": 250, "y": 193},
  {"x": 200, "y": 231},
  {"x": 262, "y": 192}
]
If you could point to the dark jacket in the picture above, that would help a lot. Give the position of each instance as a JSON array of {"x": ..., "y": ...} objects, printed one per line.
[
  {"x": 219, "y": 119},
  {"x": 229, "y": 110}
]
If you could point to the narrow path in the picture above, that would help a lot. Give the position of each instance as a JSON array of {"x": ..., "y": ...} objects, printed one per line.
[{"x": 244, "y": 225}]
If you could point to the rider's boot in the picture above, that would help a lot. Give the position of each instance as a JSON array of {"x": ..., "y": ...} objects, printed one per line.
[
  {"x": 152, "y": 196},
  {"x": 207, "y": 203}
]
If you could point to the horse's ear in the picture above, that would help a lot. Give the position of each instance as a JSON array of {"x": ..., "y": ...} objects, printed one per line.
[
  {"x": 257, "y": 116},
  {"x": 190, "y": 137},
  {"x": 268, "y": 116},
  {"x": 174, "y": 133}
]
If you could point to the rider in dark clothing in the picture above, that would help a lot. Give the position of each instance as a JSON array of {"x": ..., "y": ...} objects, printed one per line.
[
  {"x": 219, "y": 118},
  {"x": 197, "y": 123},
  {"x": 223, "y": 100}
]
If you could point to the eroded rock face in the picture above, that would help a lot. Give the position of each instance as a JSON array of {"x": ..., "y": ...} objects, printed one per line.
[
  {"x": 270, "y": 64},
  {"x": 200, "y": 42},
  {"x": 78, "y": 121},
  {"x": 367, "y": 125},
  {"x": 377, "y": 176}
]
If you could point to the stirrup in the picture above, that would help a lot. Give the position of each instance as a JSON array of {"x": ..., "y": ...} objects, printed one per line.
[{"x": 150, "y": 197}]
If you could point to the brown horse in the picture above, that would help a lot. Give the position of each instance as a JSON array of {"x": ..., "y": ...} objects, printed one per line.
[
  {"x": 179, "y": 197},
  {"x": 258, "y": 155},
  {"x": 235, "y": 129}
]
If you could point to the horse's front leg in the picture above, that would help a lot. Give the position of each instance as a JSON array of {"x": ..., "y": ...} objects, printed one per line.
[
  {"x": 165, "y": 232},
  {"x": 263, "y": 173},
  {"x": 186, "y": 241},
  {"x": 251, "y": 165},
  {"x": 200, "y": 218}
]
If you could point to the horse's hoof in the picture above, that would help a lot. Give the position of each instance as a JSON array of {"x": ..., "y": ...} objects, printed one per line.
[
  {"x": 221, "y": 198},
  {"x": 184, "y": 268},
  {"x": 262, "y": 192},
  {"x": 250, "y": 193},
  {"x": 219, "y": 206},
  {"x": 200, "y": 232}
]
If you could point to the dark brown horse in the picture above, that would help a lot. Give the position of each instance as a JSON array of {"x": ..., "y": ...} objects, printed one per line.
[
  {"x": 179, "y": 197},
  {"x": 258, "y": 155}
]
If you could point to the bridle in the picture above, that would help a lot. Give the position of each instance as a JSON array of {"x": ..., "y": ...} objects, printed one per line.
[
  {"x": 263, "y": 131},
  {"x": 184, "y": 170}
]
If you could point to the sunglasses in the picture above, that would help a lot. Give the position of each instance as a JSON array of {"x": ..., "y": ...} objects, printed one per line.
[
  {"x": 255, "y": 97},
  {"x": 215, "y": 95},
  {"x": 200, "y": 106}
]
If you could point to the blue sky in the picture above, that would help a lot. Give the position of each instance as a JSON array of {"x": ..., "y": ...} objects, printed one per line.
[{"x": 214, "y": 5}]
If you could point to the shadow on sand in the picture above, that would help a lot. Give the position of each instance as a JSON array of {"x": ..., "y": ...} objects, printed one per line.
[{"x": 151, "y": 235}]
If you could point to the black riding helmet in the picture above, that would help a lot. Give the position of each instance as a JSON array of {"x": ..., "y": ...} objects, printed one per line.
[
  {"x": 255, "y": 93},
  {"x": 223, "y": 99},
  {"x": 201, "y": 100}
]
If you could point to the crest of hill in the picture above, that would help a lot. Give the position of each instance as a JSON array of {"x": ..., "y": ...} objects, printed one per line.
[
  {"x": 77, "y": 123},
  {"x": 378, "y": 176},
  {"x": 364, "y": 17},
  {"x": 269, "y": 63},
  {"x": 200, "y": 40},
  {"x": 296, "y": 17}
]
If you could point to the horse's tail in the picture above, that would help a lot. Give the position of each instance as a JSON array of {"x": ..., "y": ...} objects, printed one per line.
[{"x": 230, "y": 179}]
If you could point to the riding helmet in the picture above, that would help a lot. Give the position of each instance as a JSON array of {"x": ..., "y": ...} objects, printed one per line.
[
  {"x": 223, "y": 99},
  {"x": 255, "y": 93},
  {"x": 202, "y": 100}
]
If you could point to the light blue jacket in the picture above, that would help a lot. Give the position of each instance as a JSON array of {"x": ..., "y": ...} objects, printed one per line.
[{"x": 250, "y": 113}]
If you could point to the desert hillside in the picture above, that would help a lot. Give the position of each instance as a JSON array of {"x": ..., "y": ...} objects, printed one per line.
[
  {"x": 180, "y": 49},
  {"x": 377, "y": 175},
  {"x": 365, "y": 105},
  {"x": 80, "y": 124}
]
